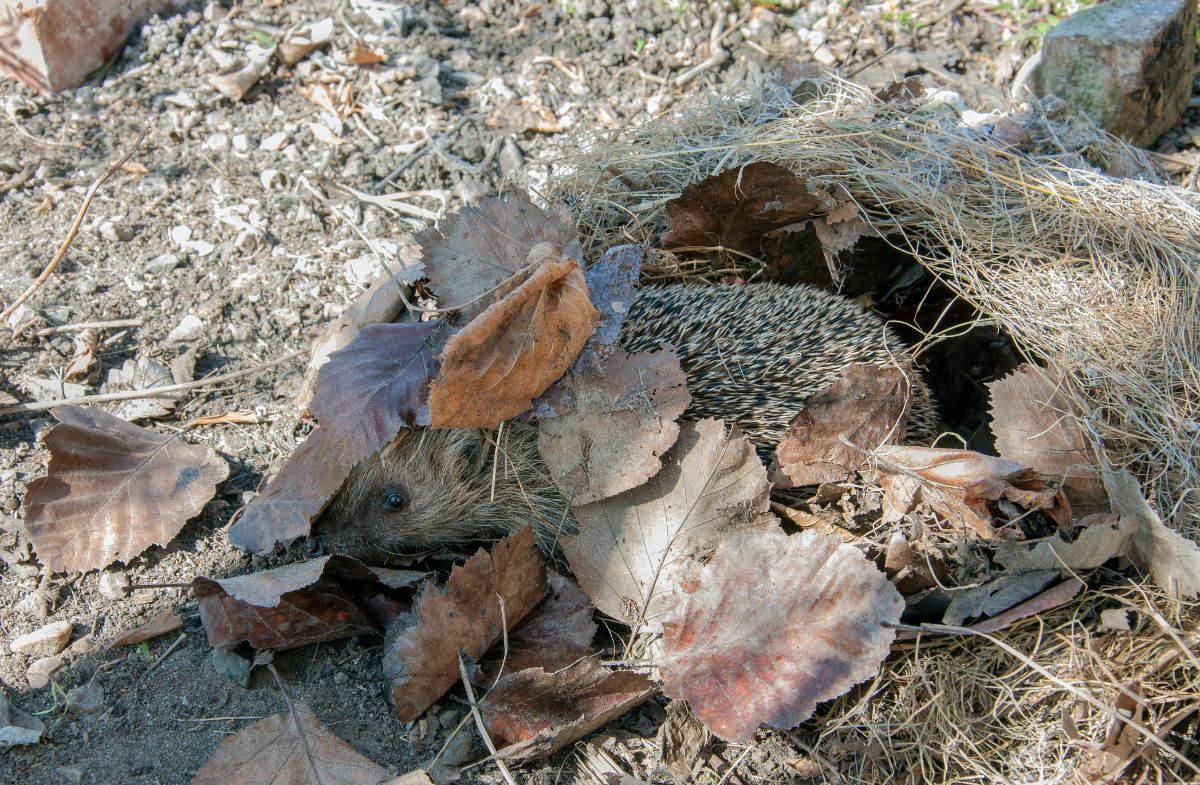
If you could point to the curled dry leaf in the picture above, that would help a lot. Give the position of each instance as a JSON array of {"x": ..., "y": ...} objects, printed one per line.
[
  {"x": 305, "y": 602},
  {"x": 1172, "y": 560},
  {"x": 1035, "y": 425},
  {"x": 623, "y": 419},
  {"x": 375, "y": 386},
  {"x": 113, "y": 489},
  {"x": 772, "y": 626},
  {"x": 293, "y": 748},
  {"x": 630, "y": 545},
  {"x": 494, "y": 367},
  {"x": 84, "y": 357},
  {"x": 293, "y": 497},
  {"x": 838, "y": 428},
  {"x": 303, "y": 40},
  {"x": 361, "y": 54},
  {"x": 465, "y": 615},
  {"x": 555, "y": 634},
  {"x": 1103, "y": 536},
  {"x": 533, "y": 713},
  {"x": 485, "y": 246},
  {"x": 995, "y": 596},
  {"x": 161, "y": 624},
  {"x": 145, "y": 373},
  {"x": 964, "y": 487},
  {"x": 734, "y": 209}
]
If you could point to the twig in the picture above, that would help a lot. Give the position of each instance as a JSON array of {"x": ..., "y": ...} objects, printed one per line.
[
  {"x": 729, "y": 772},
  {"x": 62, "y": 249},
  {"x": 151, "y": 392},
  {"x": 487, "y": 740},
  {"x": 66, "y": 328}
]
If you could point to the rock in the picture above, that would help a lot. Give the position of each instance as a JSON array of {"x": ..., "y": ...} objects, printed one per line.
[
  {"x": 162, "y": 264},
  {"x": 232, "y": 666},
  {"x": 54, "y": 44},
  {"x": 85, "y": 699},
  {"x": 190, "y": 327},
  {"x": 73, "y": 775},
  {"x": 1126, "y": 64},
  {"x": 17, "y": 727},
  {"x": 50, "y": 639},
  {"x": 112, "y": 585},
  {"x": 115, "y": 232},
  {"x": 41, "y": 671}
]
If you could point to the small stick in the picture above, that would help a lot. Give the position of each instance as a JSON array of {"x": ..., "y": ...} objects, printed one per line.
[
  {"x": 487, "y": 740},
  {"x": 62, "y": 249},
  {"x": 66, "y": 328},
  {"x": 41, "y": 406}
]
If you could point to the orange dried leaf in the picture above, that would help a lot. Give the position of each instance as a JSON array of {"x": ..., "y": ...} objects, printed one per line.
[
  {"x": 623, "y": 419},
  {"x": 838, "y": 428},
  {"x": 494, "y": 367},
  {"x": 294, "y": 748},
  {"x": 464, "y": 615},
  {"x": 630, "y": 546},
  {"x": 113, "y": 489},
  {"x": 161, "y": 624},
  {"x": 772, "y": 626},
  {"x": 361, "y": 54}
]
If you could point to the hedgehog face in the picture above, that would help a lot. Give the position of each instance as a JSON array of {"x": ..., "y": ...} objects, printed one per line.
[{"x": 420, "y": 492}]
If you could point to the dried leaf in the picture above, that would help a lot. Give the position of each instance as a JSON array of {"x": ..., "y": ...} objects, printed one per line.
[
  {"x": 622, "y": 420},
  {"x": 304, "y": 602},
  {"x": 374, "y": 387},
  {"x": 1035, "y": 425},
  {"x": 995, "y": 596},
  {"x": 225, "y": 418},
  {"x": 494, "y": 367},
  {"x": 734, "y": 209},
  {"x": 1172, "y": 560},
  {"x": 963, "y": 487},
  {"x": 113, "y": 489},
  {"x": 361, "y": 54},
  {"x": 772, "y": 626},
  {"x": 555, "y": 634},
  {"x": 295, "y": 749},
  {"x": 161, "y": 624},
  {"x": 838, "y": 428},
  {"x": 84, "y": 357},
  {"x": 681, "y": 740},
  {"x": 422, "y": 647},
  {"x": 630, "y": 545},
  {"x": 293, "y": 497},
  {"x": 532, "y": 714},
  {"x": 1104, "y": 536},
  {"x": 1107, "y": 762},
  {"x": 526, "y": 114},
  {"x": 43, "y": 389},
  {"x": 1054, "y": 597},
  {"x": 143, "y": 373},
  {"x": 303, "y": 40},
  {"x": 487, "y": 245}
]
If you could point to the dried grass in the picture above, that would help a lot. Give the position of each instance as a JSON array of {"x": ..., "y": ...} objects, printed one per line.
[{"x": 1093, "y": 273}]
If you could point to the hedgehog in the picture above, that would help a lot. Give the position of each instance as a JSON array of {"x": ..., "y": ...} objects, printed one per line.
[{"x": 751, "y": 354}]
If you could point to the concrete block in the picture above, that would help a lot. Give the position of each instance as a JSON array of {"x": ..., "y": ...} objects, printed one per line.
[
  {"x": 1127, "y": 64},
  {"x": 51, "y": 45}
]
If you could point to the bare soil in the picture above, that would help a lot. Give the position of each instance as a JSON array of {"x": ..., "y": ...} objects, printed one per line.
[{"x": 215, "y": 166}]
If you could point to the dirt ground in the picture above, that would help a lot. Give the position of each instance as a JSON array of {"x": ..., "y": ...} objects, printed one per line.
[{"x": 236, "y": 234}]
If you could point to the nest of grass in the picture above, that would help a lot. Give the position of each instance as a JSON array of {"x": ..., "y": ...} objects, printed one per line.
[{"x": 1075, "y": 247}]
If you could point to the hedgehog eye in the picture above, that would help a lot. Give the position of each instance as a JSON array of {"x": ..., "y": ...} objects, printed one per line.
[{"x": 394, "y": 501}]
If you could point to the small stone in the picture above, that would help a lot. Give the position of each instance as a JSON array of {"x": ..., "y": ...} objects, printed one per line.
[
  {"x": 115, "y": 232},
  {"x": 112, "y": 585},
  {"x": 216, "y": 142},
  {"x": 232, "y": 666},
  {"x": 180, "y": 234},
  {"x": 510, "y": 160},
  {"x": 84, "y": 647},
  {"x": 162, "y": 264},
  {"x": 70, "y": 774},
  {"x": 1126, "y": 64},
  {"x": 240, "y": 143},
  {"x": 50, "y": 639},
  {"x": 190, "y": 327},
  {"x": 275, "y": 142},
  {"x": 42, "y": 671},
  {"x": 87, "y": 699}
]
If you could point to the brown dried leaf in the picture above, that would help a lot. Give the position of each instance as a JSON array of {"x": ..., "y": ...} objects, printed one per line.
[
  {"x": 1054, "y": 597},
  {"x": 1035, "y": 425},
  {"x": 373, "y": 387},
  {"x": 622, "y": 420},
  {"x": 494, "y": 367},
  {"x": 295, "y": 749},
  {"x": 487, "y": 245},
  {"x": 962, "y": 486},
  {"x": 84, "y": 356},
  {"x": 1172, "y": 560},
  {"x": 225, "y": 418},
  {"x": 161, "y": 624},
  {"x": 361, "y": 54},
  {"x": 772, "y": 626},
  {"x": 838, "y": 428},
  {"x": 736, "y": 208},
  {"x": 289, "y": 606},
  {"x": 532, "y": 714},
  {"x": 422, "y": 648},
  {"x": 293, "y": 497},
  {"x": 527, "y": 114},
  {"x": 629, "y": 546},
  {"x": 555, "y": 634},
  {"x": 113, "y": 489},
  {"x": 1103, "y": 537}
]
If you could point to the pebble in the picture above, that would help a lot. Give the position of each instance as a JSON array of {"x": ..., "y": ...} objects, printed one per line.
[
  {"x": 86, "y": 699},
  {"x": 50, "y": 639},
  {"x": 115, "y": 232},
  {"x": 71, "y": 774},
  {"x": 112, "y": 585},
  {"x": 275, "y": 142},
  {"x": 41, "y": 671},
  {"x": 162, "y": 264},
  {"x": 191, "y": 327}
]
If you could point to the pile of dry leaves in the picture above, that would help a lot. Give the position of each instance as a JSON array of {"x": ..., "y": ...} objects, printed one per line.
[{"x": 749, "y": 611}]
